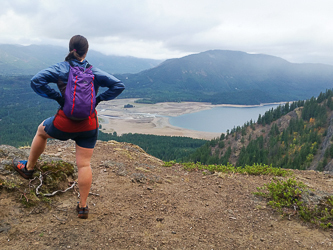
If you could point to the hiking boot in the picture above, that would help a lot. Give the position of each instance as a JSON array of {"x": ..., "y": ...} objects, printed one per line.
[
  {"x": 20, "y": 167},
  {"x": 82, "y": 211}
]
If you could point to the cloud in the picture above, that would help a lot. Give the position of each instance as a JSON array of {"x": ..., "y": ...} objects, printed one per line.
[{"x": 298, "y": 30}]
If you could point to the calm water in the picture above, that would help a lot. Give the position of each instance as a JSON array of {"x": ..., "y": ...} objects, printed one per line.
[{"x": 219, "y": 119}]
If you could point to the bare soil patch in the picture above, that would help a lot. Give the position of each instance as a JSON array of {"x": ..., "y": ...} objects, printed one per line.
[{"x": 139, "y": 204}]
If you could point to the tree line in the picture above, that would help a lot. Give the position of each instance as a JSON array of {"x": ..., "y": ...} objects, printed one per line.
[{"x": 163, "y": 147}]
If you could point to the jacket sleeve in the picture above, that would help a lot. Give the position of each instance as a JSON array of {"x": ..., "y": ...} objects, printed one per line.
[
  {"x": 39, "y": 83},
  {"x": 114, "y": 85}
]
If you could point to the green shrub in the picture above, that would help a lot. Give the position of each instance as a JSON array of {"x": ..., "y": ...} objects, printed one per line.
[
  {"x": 287, "y": 198},
  {"x": 255, "y": 169}
]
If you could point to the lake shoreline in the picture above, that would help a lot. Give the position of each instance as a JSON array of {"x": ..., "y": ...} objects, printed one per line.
[{"x": 153, "y": 118}]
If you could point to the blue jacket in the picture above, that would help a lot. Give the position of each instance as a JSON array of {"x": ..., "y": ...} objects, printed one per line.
[{"x": 58, "y": 73}]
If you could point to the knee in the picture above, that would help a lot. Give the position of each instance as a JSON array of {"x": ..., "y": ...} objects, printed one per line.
[
  {"x": 40, "y": 131},
  {"x": 82, "y": 164}
]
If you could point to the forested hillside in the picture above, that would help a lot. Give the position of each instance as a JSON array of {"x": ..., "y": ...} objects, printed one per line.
[
  {"x": 21, "y": 110},
  {"x": 295, "y": 136},
  {"x": 229, "y": 77}
]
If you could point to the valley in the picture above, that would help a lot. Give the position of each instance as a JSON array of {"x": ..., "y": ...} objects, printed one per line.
[{"x": 151, "y": 118}]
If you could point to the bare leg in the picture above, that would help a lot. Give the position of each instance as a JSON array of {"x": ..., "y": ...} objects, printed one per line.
[
  {"x": 37, "y": 147},
  {"x": 83, "y": 157}
]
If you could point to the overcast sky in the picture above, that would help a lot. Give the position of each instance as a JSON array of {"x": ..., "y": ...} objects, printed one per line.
[{"x": 296, "y": 30}]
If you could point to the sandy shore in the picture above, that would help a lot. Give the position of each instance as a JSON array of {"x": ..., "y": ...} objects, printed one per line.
[{"x": 149, "y": 118}]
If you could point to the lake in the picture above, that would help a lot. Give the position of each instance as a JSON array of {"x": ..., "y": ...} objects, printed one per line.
[{"x": 220, "y": 119}]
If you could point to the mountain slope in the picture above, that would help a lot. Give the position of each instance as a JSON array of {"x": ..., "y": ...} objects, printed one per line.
[
  {"x": 296, "y": 136},
  {"x": 28, "y": 60},
  {"x": 233, "y": 77}
]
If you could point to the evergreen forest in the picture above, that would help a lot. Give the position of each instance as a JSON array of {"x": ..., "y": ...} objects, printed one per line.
[{"x": 163, "y": 147}]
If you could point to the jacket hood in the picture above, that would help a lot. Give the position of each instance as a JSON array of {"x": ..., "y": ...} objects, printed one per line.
[{"x": 76, "y": 62}]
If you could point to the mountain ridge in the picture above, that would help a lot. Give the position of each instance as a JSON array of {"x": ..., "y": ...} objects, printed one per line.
[
  {"x": 28, "y": 60},
  {"x": 229, "y": 77},
  {"x": 215, "y": 76}
]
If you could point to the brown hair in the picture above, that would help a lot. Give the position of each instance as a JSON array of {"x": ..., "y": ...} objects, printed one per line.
[{"x": 78, "y": 48}]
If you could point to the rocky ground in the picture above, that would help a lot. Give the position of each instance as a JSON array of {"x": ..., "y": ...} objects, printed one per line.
[{"x": 136, "y": 203}]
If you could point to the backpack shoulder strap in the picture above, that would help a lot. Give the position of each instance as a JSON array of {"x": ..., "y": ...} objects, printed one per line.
[{"x": 87, "y": 66}]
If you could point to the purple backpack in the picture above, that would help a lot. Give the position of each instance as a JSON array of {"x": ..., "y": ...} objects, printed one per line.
[{"x": 80, "y": 96}]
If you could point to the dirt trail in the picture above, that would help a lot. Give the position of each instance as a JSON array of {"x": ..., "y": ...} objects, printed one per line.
[{"x": 139, "y": 204}]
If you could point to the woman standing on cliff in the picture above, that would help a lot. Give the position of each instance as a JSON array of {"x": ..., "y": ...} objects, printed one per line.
[{"x": 83, "y": 132}]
